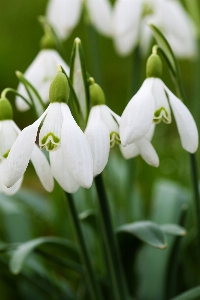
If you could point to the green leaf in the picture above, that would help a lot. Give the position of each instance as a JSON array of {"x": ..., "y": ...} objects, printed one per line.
[
  {"x": 88, "y": 216},
  {"x": 164, "y": 45},
  {"x": 193, "y": 294},
  {"x": 19, "y": 256},
  {"x": 173, "y": 229},
  {"x": 148, "y": 232},
  {"x": 78, "y": 76}
]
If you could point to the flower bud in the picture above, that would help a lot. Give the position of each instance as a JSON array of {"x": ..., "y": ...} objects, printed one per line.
[
  {"x": 6, "y": 111},
  {"x": 154, "y": 66},
  {"x": 97, "y": 96},
  {"x": 59, "y": 89}
]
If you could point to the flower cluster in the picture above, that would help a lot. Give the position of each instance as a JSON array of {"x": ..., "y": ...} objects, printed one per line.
[
  {"x": 126, "y": 22},
  {"x": 76, "y": 156}
]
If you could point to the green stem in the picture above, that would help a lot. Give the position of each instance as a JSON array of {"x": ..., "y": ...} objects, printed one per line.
[
  {"x": 195, "y": 182},
  {"x": 193, "y": 162},
  {"x": 5, "y": 91},
  {"x": 173, "y": 264},
  {"x": 91, "y": 277},
  {"x": 116, "y": 271}
]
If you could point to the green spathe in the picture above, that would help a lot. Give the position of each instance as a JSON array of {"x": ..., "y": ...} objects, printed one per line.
[
  {"x": 59, "y": 89},
  {"x": 154, "y": 66},
  {"x": 97, "y": 96},
  {"x": 6, "y": 111}
]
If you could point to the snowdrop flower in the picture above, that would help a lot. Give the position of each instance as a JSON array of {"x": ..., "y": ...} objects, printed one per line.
[
  {"x": 130, "y": 19},
  {"x": 69, "y": 151},
  {"x": 153, "y": 103},
  {"x": 142, "y": 147},
  {"x": 64, "y": 15},
  {"x": 102, "y": 130},
  {"x": 8, "y": 134},
  {"x": 40, "y": 74}
]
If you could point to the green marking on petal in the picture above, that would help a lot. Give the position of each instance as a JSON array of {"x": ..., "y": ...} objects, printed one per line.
[
  {"x": 5, "y": 155},
  {"x": 161, "y": 115},
  {"x": 50, "y": 142},
  {"x": 147, "y": 10},
  {"x": 114, "y": 139}
]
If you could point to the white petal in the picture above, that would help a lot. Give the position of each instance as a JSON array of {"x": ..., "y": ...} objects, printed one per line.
[
  {"x": 76, "y": 149},
  {"x": 42, "y": 168},
  {"x": 13, "y": 189},
  {"x": 178, "y": 29},
  {"x": 110, "y": 119},
  {"x": 161, "y": 101},
  {"x": 138, "y": 115},
  {"x": 8, "y": 135},
  {"x": 50, "y": 133},
  {"x": 60, "y": 172},
  {"x": 132, "y": 150},
  {"x": 129, "y": 151},
  {"x": 20, "y": 153},
  {"x": 40, "y": 74},
  {"x": 100, "y": 14},
  {"x": 126, "y": 19},
  {"x": 63, "y": 15},
  {"x": 98, "y": 137},
  {"x": 148, "y": 152},
  {"x": 185, "y": 123}
]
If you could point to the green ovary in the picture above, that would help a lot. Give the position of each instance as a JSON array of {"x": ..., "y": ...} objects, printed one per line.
[
  {"x": 50, "y": 141},
  {"x": 161, "y": 115}
]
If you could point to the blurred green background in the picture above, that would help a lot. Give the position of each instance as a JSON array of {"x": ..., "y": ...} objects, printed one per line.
[{"x": 133, "y": 186}]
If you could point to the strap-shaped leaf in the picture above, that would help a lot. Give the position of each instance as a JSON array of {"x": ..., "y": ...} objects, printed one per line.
[
  {"x": 173, "y": 229},
  {"x": 193, "y": 294},
  {"x": 164, "y": 45},
  {"x": 19, "y": 256},
  {"x": 146, "y": 231},
  {"x": 78, "y": 76}
]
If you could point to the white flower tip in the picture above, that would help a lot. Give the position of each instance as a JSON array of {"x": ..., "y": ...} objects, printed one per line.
[{"x": 77, "y": 40}]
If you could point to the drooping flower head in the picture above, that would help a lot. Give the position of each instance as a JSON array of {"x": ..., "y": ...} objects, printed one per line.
[
  {"x": 102, "y": 130},
  {"x": 130, "y": 20},
  {"x": 40, "y": 74},
  {"x": 153, "y": 103},
  {"x": 64, "y": 15},
  {"x": 8, "y": 135},
  {"x": 69, "y": 151}
]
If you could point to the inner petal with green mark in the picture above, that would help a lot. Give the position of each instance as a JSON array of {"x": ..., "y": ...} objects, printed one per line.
[
  {"x": 114, "y": 139},
  {"x": 147, "y": 9},
  {"x": 50, "y": 142},
  {"x": 161, "y": 115}
]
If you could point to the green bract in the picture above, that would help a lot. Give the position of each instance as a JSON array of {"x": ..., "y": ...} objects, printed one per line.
[
  {"x": 6, "y": 111},
  {"x": 154, "y": 66},
  {"x": 97, "y": 96},
  {"x": 59, "y": 89}
]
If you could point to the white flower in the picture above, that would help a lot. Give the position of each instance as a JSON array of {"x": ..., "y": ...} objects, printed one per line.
[
  {"x": 8, "y": 134},
  {"x": 64, "y": 15},
  {"x": 144, "y": 148},
  {"x": 40, "y": 74},
  {"x": 130, "y": 19},
  {"x": 152, "y": 103},
  {"x": 102, "y": 132},
  {"x": 70, "y": 154}
]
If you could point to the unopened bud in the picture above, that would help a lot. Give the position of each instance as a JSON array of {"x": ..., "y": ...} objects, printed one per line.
[
  {"x": 154, "y": 66},
  {"x": 59, "y": 89}
]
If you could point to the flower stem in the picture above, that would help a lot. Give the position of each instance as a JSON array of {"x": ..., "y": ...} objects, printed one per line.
[
  {"x": 195, "y": 182},
  {"x": 116, "y": 271},
  {"x": 91, "y": 277}
]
